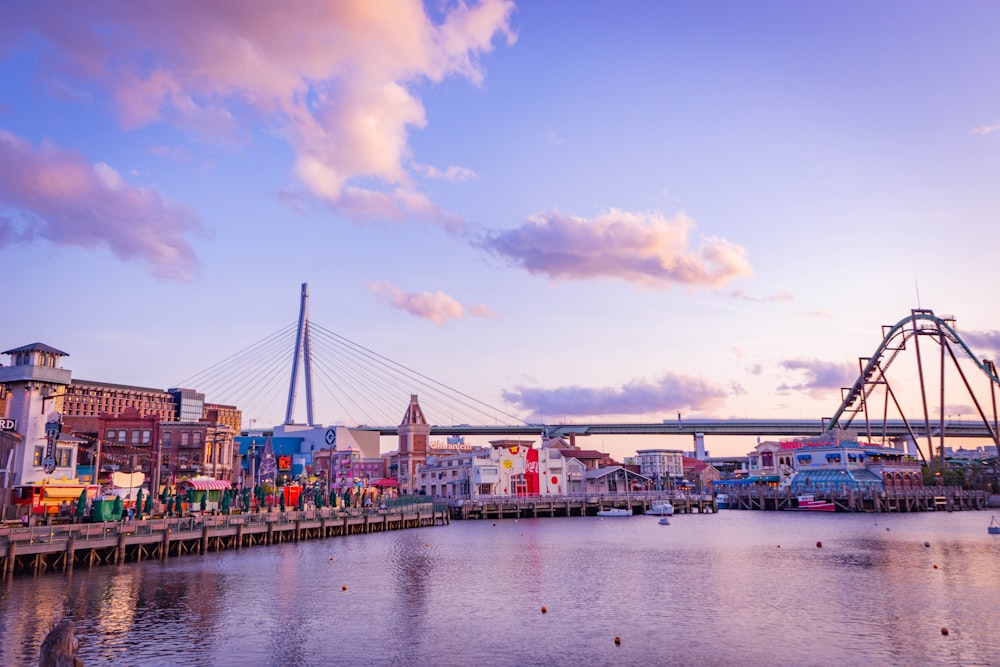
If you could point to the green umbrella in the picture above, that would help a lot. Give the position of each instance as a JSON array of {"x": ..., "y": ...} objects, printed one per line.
[
  {"x": 138, "y": 502},
  {"x": 163, "y": 495},
  {"x": 81, "y": 504},
  {"x": 281, "y": 496},
  {"x": 225, "y": 502},
  {"x": 116, "y": 509},
  {"x": 204, "y": 500},
  {"x": 189, "y": 496},
  {"x": 149, "y": 504}
]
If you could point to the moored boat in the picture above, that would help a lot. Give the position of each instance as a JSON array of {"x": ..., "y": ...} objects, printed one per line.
[
  {"x": 993, "y": 528},
  {"x": 809, "y": 503},
  {"x": 663, "y": 508},
  {"x": 614, "y": 511},
  {"x": 722, "y": 501}
]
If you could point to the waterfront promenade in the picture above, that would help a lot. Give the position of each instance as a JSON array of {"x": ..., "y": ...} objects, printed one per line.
[
  {"x": 926, "y": 499},
  {"x": 63, "y": 547},
  {"x": 587, "y": 504}
]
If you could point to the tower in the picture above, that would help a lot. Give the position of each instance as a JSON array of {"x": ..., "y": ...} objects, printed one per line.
[
  {"x": 302, "y": 351},
  {"x": 414, "y": 432},
  {"x": 35, "y": 389}
]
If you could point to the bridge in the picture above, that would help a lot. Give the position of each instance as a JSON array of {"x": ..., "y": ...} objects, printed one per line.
[{"x": 898, "y": 393}]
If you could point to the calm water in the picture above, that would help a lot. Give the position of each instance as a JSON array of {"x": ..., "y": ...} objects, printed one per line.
[{"x": 745, "y": 588}]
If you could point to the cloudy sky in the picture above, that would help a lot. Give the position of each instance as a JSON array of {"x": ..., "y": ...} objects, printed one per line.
[{"x": 588, "y": 211}]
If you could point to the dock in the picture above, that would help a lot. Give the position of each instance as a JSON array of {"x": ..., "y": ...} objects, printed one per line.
[
  {"x": 926, "y": 499},
  {"x": 55, "y": 548},
  {"x": 523, "y": 507}
]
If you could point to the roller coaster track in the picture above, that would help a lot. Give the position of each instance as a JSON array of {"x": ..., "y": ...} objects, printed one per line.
[{"x": 857, "y": 399}]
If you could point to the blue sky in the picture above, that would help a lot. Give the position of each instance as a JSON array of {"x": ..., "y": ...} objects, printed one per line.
[{"x": 572, "y": 211}]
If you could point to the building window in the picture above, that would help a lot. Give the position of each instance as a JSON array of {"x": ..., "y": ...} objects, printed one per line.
[
  {"x": 197, "y": 438},
  {"x": 185, "y": 438},
  {"x": 166, "y": 438},
  {"x": 135, "y": 437},
  {"x": 109, "y": 436},
  {"x": 39, "y": 453},
  {"x": 145, "y": 436},
  {"x": 122, "y": 436},
  {"x": 767, "y": 460},
  {"x": 64, "y": 456}
]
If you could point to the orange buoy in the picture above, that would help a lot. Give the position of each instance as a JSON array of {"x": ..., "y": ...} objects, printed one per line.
[
  {"x": 935, "y": 566},
  {"x": 944, "y": 631},
  {"x": 819, "y": 545},
  {"x": 545, "y": 609},
  {"x": 618, "y": 641},
  {"x": 344, "y": 587}
]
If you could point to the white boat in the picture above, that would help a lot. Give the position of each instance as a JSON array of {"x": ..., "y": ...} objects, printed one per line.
[
  {"x": 614, "y": 511},
  {"x": 993, "y": 528},
  {"x": 722, "y": 501},
  {"x": 661, "y": 509}
]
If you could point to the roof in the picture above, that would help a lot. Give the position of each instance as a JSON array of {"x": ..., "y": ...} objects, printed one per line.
[
  {"x": 583, "y": 454},
  {"x": 36, "y": 347},
  {"x": 209, "y": 484},
  {"x": 414, "y": 415}
]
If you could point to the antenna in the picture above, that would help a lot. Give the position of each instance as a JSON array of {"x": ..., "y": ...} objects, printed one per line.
[{"x": 916, "y": 285}]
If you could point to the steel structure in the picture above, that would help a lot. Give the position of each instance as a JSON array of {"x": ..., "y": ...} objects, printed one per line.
[{"x": 872, "y": 397}]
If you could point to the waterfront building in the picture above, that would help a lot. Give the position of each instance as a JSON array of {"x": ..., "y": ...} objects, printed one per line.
[
  {"x": 839, "y": 462},
  {"x": 414, "y": 434},
  {"x": 504, "y": 469},
  {"x": 701, "y": 473},
  {"x": 771, "y": 463},
  {"x": 227, "y": 415},
  {"x": 192, "y": 448},
  {"x": 664, "y": 466},
  {"x": 35, "y": 383},
  {"x": 615, "y": 480},
  {"x": 87, "y": 401}
]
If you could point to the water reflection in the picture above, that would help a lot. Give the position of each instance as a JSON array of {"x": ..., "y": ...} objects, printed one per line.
[{"x": 750, "y": 588}]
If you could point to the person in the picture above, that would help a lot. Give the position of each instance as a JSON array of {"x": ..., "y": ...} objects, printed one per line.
[{"x": 25, "y": 519}]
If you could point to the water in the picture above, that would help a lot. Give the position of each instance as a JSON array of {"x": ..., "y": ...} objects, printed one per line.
[{"x": 739, "y": 587}]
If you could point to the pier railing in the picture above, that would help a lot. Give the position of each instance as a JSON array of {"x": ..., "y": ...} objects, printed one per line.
[{"x": 923, "y": 499}]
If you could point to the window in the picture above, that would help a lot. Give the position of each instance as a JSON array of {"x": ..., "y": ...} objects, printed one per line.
[
  {"x": 767, "y": 459},
  {"x": 121, "y": 436},
  {"x": 64, "y": 456},
  {"x": 166, "y": 438},
  {"x": 109, "y": 436},
  {"x": 185, "y": 438},
  {"x": 135, "y": 437},
  {"x": 39, "y": 453},
  {"x": 145, "y": 436},
  {"x": 197, "y": 438}
]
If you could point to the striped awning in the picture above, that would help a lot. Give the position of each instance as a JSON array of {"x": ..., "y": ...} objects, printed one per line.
[{"x": 209, "y": 484}]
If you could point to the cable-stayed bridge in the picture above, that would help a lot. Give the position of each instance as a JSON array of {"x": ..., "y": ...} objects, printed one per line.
[{"x": 899, "y": 393}]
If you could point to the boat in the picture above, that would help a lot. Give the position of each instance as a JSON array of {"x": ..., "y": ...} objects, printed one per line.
[
  {"x": 810, "y": 504},
  {"x": 661, "y": 509},
  {"x": 993, "y": 528},
  {"x": 615, "y": 511},
  {"x": 722, "y": 501},
  {"x": 664, "y": 520}
]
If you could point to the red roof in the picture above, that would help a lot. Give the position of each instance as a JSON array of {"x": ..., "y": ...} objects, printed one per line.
[{"x": 209, "y": 484}]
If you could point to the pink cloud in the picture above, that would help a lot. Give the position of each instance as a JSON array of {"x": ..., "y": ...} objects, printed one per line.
[
  {"x": 821, "y": 377},
  {"x": 643, "y": 248},
  {"x": 669, "y": 393},
  {"x": 59, "y": 196},
  {"x": 437, "y": 307},
  {"x": 336, "y": 79}
]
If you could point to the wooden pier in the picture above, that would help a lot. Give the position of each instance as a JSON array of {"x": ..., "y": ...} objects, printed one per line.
[
  {"x": 507, "y": 507},
  {"x": 64, "y": 547},
  {"x": 927, "y": 499}
]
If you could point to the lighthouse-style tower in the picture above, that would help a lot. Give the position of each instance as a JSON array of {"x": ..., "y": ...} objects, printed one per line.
[
  {"x": 35, "y": 389},
  {"x": 414, "y": 432}
]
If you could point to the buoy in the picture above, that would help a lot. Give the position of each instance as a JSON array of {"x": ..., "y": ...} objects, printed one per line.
[
  {"x": 887, "y": 529},
  {"x": 331, "y": 557},
  {"x": 618, "y": 641},
  {"x": 927, "y": 544},
  {"x": 426, "y": 545},
  {"x": 544, "y": 609},
  {"x": 494, "y": 523},
  {"x": 779, "y": 546},
  {"x": 944, "y": 631},
  {"x": 935, "y": 566},
  {"x": 344, "y": 587},
  {"x": 819, "y": 545}
]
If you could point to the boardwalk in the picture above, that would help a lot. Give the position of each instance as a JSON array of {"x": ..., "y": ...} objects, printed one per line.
[
  {"x": 928, "y": 499},
  {"x": 64, "y": 547},
  {"x": 513, "y": 507}
]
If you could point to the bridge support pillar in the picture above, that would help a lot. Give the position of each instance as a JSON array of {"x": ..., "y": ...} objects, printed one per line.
[{"x": 699, "y": 446}]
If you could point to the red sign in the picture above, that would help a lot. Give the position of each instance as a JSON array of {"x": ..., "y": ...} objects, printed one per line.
[
  {"x": 531, "y": 472},
  {"x": 284, "y": 463}
]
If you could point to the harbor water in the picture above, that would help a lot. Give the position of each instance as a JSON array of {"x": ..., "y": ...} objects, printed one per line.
[{"x": 735, "y": 588}]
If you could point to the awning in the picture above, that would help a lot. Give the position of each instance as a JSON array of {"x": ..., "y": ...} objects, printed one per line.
[
  {"x": 209, "y": 484},
  {"x": 385, "y": 481},
  {"x": 63, "y": 492}
]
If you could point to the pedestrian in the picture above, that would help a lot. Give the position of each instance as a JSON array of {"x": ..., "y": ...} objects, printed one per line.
[{"x": 25, "y": 519}]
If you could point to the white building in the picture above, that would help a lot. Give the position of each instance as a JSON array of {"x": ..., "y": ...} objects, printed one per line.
[
  {"x": 662, "y": 466},
  {"x": 498, "y": 471}
]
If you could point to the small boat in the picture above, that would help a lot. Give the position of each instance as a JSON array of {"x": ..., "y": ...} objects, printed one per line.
[
  {"x": 809, "y": 503},
  {"x": 993, "y": 528},
  {"x": 614, "y": 511},
  {"x": 664, "y": 520},
  {"x": 722, "y": 501},
  {"x": 661, "y": 509}
]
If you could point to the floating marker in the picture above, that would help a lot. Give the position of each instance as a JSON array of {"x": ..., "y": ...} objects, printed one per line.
[
  {"x": 819, "y": 545},
  {"x": 343, "y": 588},
  {"x": 618, "y": 641},
  {"x": 935, "y": 566},
  {"x": 545, "y": 609},
  {"x": 927, "y": 544},
  {"x": 944, "y": 631}
]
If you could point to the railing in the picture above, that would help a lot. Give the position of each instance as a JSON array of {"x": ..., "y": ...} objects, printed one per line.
[{"x": 195, "y": 523}]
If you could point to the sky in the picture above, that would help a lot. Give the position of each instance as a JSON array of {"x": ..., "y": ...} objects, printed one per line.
[{"x": 572, "y": 211}]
